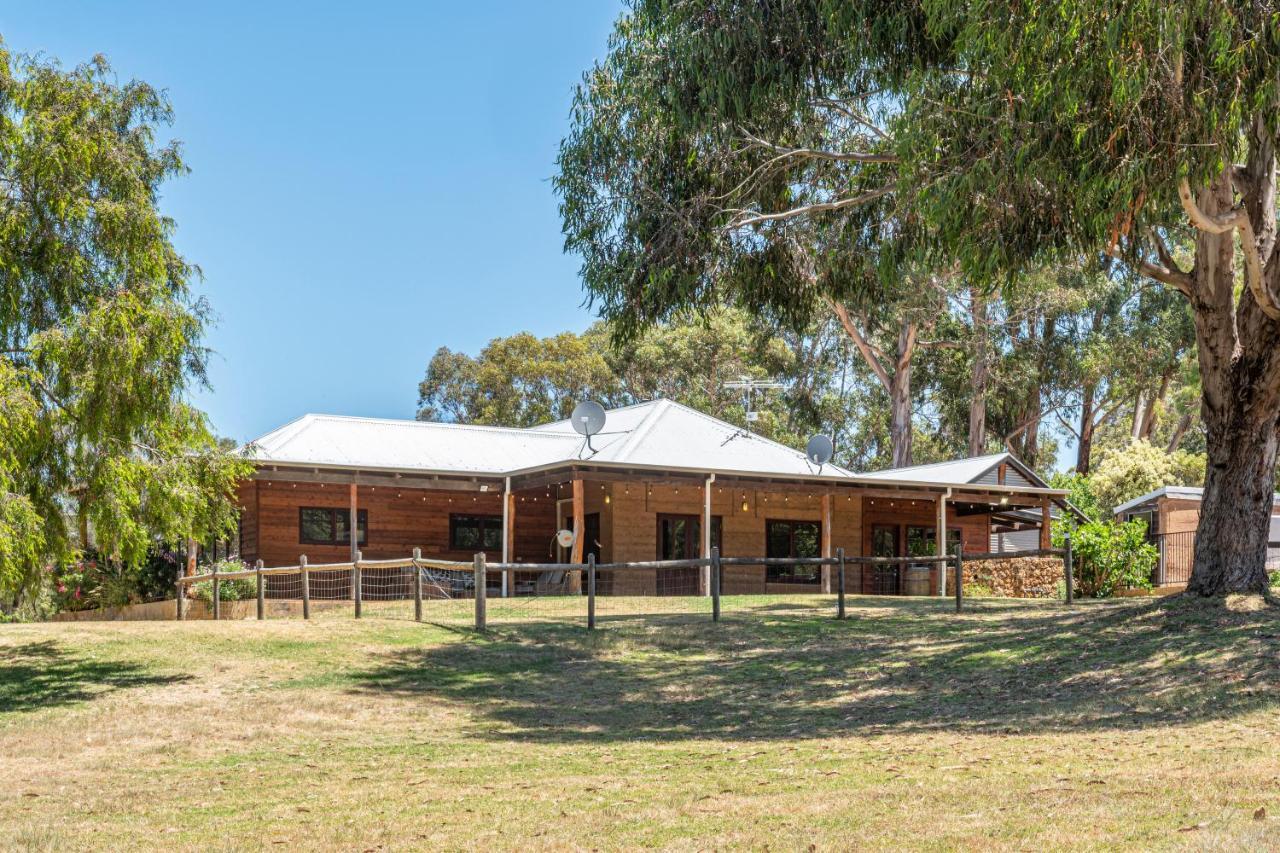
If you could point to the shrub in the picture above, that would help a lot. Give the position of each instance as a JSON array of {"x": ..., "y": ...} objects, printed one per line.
[
  {"x": 1111, "y": 555},
  {"x": 90, "y": 581},
  {"x": 1137, "y": 468},
  {"x": 233, "y": 590}
]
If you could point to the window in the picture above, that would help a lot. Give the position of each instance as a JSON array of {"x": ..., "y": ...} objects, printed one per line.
[
  {"x": 793, "y": 539},
  {"x": 475, "y": 532},
  {"x": 328, "y": 526},
  {"x": 1147, "y": 516},
  {"x": 921, "y": 541},
  {"x": 680, "y": 536}
]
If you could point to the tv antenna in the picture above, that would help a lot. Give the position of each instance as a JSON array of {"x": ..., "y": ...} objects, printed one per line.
[
  {"x": 587, "y": 420},
  {"x": 749, "y": 388}
]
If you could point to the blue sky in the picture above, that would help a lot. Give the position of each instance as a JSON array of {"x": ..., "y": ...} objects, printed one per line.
[{"x": 369, "y": 181}]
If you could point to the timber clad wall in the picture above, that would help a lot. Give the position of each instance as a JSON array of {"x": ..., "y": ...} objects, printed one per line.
[
  {"x": 975, "y": 530},
  {"x": 401, "y": 519}
]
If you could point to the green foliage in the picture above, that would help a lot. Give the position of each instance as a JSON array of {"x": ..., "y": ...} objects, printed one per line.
[
  {"x": 99, "y": 333},
  {"x": 1138, "y": 468},
  {"x": 1081, "y": 494},
  {"x": 240, "y": 589},
  {"x": 90, "y": 581},
  {"x": 1109, "y": 556}
]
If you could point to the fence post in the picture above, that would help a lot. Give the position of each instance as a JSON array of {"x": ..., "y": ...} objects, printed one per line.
[
  {"x": 417, "y": 585},
  {"x": 356, "y": 583},
  {"x": 482, "y": 583},
  {"x": 959, "y": 576},
  {"x": 217, "y": 594},
  {"x": 262, "y": 592},
  {"x": 306, "y": 586},
  {"x": 840, "y": 584},
  {"x": 591, "y": 591},
  {"x": 1069, "y": 569},
  {"x": 715, "y": 584}
]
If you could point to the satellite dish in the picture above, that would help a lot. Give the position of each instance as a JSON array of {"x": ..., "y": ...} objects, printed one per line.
[
  {"x": 588, "y": 419},
  {"x": 820, "y": 450},
  {"x": 565, "y": 538}
]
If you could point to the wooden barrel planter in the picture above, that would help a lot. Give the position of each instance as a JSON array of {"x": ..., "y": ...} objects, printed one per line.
[{"x": 915, "y": 580}]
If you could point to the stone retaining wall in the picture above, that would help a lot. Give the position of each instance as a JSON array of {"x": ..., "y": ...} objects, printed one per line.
[{"x": 1015, "y": 577}]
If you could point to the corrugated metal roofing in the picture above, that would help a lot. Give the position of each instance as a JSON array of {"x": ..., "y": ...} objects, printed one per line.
[
  {"x": 1185, "y": 492},
  {"x": 956, "y": 471},
  {"x": 658, "y": 434}
]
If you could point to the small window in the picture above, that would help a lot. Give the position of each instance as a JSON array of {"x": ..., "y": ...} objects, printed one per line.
[
  {"x": 793, "y": 539},
  {"x": 329, "y": 526},
  {"x": 475, "y": 532}
]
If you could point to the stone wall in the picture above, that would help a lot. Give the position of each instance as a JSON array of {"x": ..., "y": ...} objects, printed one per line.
[{"x": 1014, "y": 577}]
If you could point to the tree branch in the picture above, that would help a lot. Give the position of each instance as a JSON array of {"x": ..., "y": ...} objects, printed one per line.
[
  {"x": 870, "y": 354},
  {"x": 746, "y": 217},
  {"x": 818, "y": 154},
  {"x": 1175, "y": 278}
]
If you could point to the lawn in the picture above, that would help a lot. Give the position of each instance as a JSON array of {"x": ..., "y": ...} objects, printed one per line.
[{"x": 1017, "y": 725}]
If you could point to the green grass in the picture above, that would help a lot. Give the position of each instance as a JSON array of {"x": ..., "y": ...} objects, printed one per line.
[{"x": 1140, "y": 723}]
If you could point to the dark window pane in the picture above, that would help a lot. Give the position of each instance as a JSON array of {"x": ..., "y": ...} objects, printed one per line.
[
  {"x": 779, "y": 541},
  {"x": 493, "y": 536},
  {"x": 362, "y": 531},
  {"x": 920, "y": 541},
  {"x": 807, "y": 540},
  {"x": 317, "y": 525},
  {"x": 341, "y": 533}
]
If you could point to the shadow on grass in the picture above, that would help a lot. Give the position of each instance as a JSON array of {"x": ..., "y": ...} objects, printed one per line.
[
  {"x": 44, "y": 675},
  {"x": 896, "y": 665}
]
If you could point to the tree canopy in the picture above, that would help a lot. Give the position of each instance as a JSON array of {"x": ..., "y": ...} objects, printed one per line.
[
  {"x": 780, "y": 154},
  {"x": 100, "y": 334}
]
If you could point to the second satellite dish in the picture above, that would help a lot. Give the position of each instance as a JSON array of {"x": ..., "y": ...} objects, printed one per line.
[
  {"x": 588, "y": 419},
  {"x": 820, "y": 450},
  {"x": 564, "y": 538}
]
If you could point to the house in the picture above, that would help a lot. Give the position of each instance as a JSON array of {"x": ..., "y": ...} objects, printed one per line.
[
  {"x": 660, "y": 481},
  {"x": 1172, "y": 515}
]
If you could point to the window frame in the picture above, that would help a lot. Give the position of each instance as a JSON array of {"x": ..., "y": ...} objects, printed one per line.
[
  {"x": 486, "y": 520},
  {"x": 717, "y": 531},
  {"x": 772, "y": 574},
  {"x": 362, "y": 526}
]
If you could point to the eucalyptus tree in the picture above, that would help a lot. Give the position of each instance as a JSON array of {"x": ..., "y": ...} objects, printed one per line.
[
  {"x": 1011, "y": 136},
  {"x": 100, "y": 335}
]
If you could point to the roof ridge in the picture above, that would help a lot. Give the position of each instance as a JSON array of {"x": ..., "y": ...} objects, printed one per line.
[
  {"x": 1003, "y": 453},
  {"x": 413, "y": 422},
  {"x": 640, "y": 430}
]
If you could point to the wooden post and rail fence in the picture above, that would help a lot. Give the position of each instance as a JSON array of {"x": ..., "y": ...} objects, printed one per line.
[{"x": 479, "y": 568}]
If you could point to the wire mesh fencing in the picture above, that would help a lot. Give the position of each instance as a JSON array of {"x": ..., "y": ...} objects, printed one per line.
[{"x": 594, "y": 595}]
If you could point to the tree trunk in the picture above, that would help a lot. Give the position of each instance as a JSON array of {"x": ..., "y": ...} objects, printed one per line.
[
  {"x": 1231, "y": 542},
  {"x": 978, "y": 379},
  {"x": 1239, "y": 353},
  {"x": 900, "y": 399},
  {"x": 1084, "y": 450},
  {"x": 1139, "y": 416}
]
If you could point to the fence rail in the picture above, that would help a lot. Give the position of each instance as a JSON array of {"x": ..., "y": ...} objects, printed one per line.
[{"x": 602, "y": 585}]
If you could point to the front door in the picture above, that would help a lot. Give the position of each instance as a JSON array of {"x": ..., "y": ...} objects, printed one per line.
[
  {"x": 679, "y": 538},
  {"x": 884, "y": 543}
]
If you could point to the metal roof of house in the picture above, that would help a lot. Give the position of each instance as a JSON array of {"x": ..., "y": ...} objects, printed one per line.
[
  {"x": 660, "y": 434},
  {"x": 975, "y": 469},
  {"x": 656, "y": 434},
  {"x": 1184, "y": 492}
]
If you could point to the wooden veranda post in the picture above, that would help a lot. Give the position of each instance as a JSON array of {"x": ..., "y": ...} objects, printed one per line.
[
  {"x": 353, "y": 523},
  {"x": 706, "y": 532},
  {"x": 941, "y": 540},
  {"x": 192, "y": 552},
  {"x": 826, "y": 541},
  {"x": 306, "y": 586},
  {"x": 579, "y": 522},
  {"x": 508, "y": 513},
  {"x": 262, "y": 592},
  {"x": 959, "y": 576},
  {"x": 1046, "y": 537}
]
